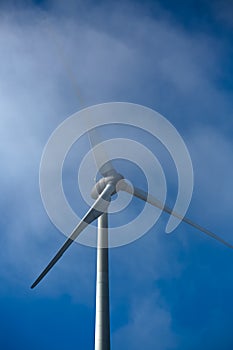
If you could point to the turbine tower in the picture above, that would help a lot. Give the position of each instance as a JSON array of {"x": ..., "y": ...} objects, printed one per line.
[{"x": 110, "y": 183}]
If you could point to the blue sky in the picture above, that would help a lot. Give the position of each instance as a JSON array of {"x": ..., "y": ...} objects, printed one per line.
[{"x": 167, "y": 292}]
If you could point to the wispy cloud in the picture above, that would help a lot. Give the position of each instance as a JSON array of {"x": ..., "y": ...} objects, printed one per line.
[{"x": 150, "y": 324}]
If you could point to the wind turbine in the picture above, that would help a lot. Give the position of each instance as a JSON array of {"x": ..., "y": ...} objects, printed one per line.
[{"x": 110, "y": 183}]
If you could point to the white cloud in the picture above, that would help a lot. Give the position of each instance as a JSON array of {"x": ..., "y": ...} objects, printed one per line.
[{"x": 149, "y": 327}]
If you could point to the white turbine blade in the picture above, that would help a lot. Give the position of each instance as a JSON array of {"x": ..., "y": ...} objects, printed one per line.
[
  {"x": 104, "y": 165},
  {"x": 97, "y": 209},
  {"x": 154, "y": 201}
]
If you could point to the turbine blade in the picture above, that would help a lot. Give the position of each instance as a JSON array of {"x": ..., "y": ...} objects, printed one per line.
[
  {"x": 97, "y": 209},
  {"x": 155, "y": 202},
  {"x": 104, "y": 165}
]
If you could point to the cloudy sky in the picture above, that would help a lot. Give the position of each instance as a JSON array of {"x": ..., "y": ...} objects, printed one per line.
[{"x": 167, "y": 292}]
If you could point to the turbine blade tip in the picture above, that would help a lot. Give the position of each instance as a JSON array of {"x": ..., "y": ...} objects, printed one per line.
[{"x": 33, "y": 285}]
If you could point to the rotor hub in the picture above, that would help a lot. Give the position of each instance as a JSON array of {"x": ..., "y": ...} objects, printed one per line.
[{"x": 102, "y": 183}]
